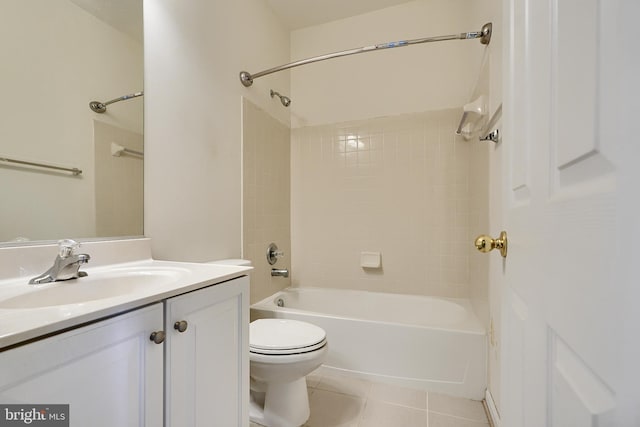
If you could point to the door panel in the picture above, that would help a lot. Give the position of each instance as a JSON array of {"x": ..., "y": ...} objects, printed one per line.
[
  {"x": 520, "y": 161},
  {"x": 577, "y": 155},
  {"x": 586, "y": 400},
  {"x": 562, "y": 309},
  {"x": 574, "y": 72}
]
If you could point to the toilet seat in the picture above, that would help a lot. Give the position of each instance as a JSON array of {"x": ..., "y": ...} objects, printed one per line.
[
  {"x": 284, "y": 337},
  {"x": 280, "y": 352}
]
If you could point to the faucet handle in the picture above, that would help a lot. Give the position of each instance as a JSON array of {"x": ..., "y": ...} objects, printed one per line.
[
  {"x": 273, "y": 253},
  {"x": 66, "y": 247}
]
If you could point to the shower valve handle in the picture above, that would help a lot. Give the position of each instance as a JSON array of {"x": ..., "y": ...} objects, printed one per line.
[{"x": 273, "y": 253}]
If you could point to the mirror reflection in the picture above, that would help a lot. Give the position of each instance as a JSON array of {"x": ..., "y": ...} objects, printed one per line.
[{"x": 58, "y": 56}]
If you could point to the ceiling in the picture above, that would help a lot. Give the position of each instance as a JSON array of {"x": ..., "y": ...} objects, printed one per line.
[
  {"x": 304, "y": 13},
  {"x": 124, "y": 15}
]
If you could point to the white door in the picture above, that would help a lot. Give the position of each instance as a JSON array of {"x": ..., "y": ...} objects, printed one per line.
[
  {"x": 207, "y": 357},
  {"x": 571, "y": 199}
]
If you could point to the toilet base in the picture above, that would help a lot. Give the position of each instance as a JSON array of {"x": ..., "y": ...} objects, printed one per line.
[{"x": 281, "y": 405}]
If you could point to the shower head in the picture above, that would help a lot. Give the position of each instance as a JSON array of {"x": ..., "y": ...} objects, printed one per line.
[{"x": 286, "y": 101}]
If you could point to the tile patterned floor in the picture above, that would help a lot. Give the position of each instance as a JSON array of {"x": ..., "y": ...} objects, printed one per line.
[{"x": 339, "y": 401}]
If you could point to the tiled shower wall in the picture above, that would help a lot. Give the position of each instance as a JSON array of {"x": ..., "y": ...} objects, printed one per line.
[
  {"x": 266, "y": 197},
  {"x": 118, "y": 182},
  {"x": 394, "y": 185}
]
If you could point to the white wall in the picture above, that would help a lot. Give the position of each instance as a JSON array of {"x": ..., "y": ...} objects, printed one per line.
[
  {"x": 194, "y": 51},
  {"x": 56, "y": 58},
  {"x": 492, "y": 11},
  {"x": 391, "y": 82}
]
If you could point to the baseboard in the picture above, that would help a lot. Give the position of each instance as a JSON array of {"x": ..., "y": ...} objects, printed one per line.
[{"x": 492, "y": 411}]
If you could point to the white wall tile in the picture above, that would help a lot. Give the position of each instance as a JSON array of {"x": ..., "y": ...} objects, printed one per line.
[
  {"x": 399, "y": 185},
  {"x": 266, "y": 197}
]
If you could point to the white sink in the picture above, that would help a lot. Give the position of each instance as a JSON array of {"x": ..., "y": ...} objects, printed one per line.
[{"x": 98, "y": 285}]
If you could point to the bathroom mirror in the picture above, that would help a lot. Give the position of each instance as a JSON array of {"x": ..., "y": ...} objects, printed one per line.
[{"x": 57, "y": 57}]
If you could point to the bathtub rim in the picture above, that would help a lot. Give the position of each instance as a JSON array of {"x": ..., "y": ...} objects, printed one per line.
[{"x": 472, "y": 324}]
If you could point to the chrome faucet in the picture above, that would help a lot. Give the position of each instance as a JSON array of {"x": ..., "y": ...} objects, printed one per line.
[
  {"x": 283, "y": 272},
  {"x": 66, "y": 265}
]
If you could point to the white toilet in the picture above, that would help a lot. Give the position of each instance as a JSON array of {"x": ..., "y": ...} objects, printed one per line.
[{"x": 282, "y": 353}]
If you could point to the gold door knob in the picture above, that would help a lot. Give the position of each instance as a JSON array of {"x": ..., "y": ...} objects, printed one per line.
[{"x": 487, "y": 244}]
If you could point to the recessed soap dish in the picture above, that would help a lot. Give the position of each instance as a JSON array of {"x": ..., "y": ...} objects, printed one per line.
[{"x": 370, "y": 260}]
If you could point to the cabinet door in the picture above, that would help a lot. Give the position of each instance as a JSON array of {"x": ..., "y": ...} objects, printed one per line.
[
  {"x": 109, "y": 372},
  {"x": 207, "y": 365}
]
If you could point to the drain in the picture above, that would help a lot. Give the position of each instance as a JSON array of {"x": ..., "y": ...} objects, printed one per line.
[{"x": 280, "y": 302}]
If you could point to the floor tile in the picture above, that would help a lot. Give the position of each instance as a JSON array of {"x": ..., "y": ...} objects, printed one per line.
[
  {"x": 441, "y": 420},
  {"x": 457, "y": 406},
  {"x": 344, "y": 401},
  {"x": 399, "y": 395},
  {"x": 382, "y": 414},
  {"x": 329, "y": 409},
  {"x": 345, "y": 385}
]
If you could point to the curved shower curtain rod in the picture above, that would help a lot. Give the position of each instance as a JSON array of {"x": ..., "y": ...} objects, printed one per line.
[
  {"x": 484, "y": 35},
  {"x": 101, "y": 107}
]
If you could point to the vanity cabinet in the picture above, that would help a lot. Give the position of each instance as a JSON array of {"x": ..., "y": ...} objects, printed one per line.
[
  {"x": 109, "y": 372},
  {"x": 207, "y": 364},
  {"x": 112, "y": 374}
]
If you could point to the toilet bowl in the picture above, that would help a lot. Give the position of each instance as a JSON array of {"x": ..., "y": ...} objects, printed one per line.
[{"x": 282, "y": 353}]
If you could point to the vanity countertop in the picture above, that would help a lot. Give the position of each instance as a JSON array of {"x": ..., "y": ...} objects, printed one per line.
[{"x": 31, "y": 311}]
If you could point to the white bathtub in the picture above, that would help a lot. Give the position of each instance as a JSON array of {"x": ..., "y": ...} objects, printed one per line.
[{"x": 435, "y": 344}]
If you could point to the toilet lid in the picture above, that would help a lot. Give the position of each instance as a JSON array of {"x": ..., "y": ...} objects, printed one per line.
[{"x": 284, "y": 336}]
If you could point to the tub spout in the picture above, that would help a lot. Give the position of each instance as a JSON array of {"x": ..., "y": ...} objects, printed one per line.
[{"x": 279, "y": 272}]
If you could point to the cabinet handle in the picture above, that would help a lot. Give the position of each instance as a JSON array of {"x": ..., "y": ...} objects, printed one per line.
[
  {"x": 157, "y": 337},
  {"x": 180, "y": 326}
]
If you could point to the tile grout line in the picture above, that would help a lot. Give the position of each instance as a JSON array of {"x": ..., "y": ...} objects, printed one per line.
[
  {"x": 396, "y": 404},
  {"x": 459, "y": 417},
  {"x": 367, "y": 400}
]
